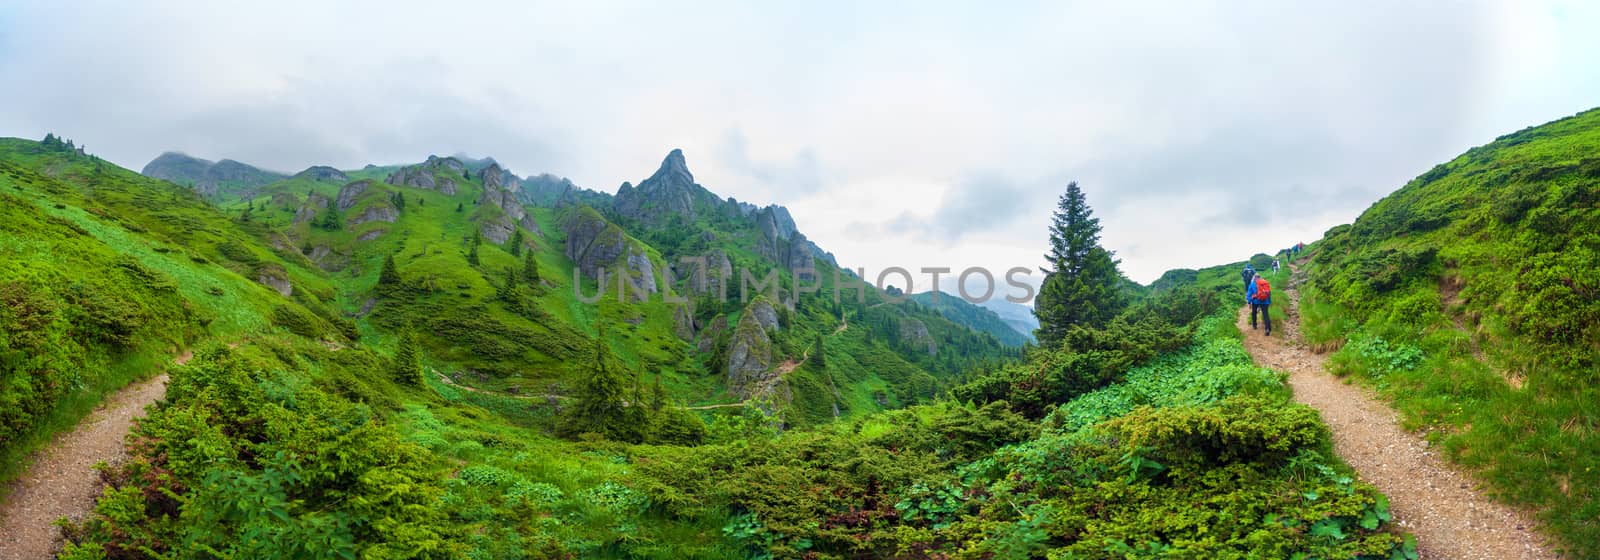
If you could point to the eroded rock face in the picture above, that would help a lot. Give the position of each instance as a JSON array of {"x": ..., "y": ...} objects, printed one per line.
[
  {"x": 497, "y": 230},
  {"x": 641, "y": 272},
  {"x": 413, "y": 176},
  {"x": 315, "y": 204},
  {"x": 683, "y": 322},
  {"x": 349, "y": 193},
  {"x": 670, "y": 191},
  {"x": 592, "y": 242},
  {"x": 322, "y": 173},
  {"x": 914, "y": 334},
  {"x": 274, "y": 277},
  {"x": 371, "y": 235},
  {"x": 750, "y": 356},
  {"x": 286, "y": 200},
  {"x": 380, "y": 212}
]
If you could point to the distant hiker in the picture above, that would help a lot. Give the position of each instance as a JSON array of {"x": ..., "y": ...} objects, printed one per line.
[
  {"x": 1274, "y": 266},
  {"x": 1259, "y": 295},
  {"x": 1248, "y": 274}
]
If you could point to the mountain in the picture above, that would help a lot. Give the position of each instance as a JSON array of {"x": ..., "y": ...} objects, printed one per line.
[
  {"x": 1471, "y": 296},
  {"x": 978, "y": 317},
  {"x": 1017, "y": 316},
  {"x": 410, "y": 362},
  {"x": 206, "y": 177}
]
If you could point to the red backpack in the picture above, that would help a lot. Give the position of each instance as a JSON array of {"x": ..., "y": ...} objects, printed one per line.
[{"x": 1263, "y": 289}]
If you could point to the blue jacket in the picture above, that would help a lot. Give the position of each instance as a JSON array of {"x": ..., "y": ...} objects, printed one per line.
[
  {"x": 1250, "y": 295},
  {"x": 1248, "y": 274}
]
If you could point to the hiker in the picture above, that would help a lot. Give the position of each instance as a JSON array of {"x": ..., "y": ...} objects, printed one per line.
[
  {"x": 1274, "y": 266},
  {"x": 1259, "y": 295},
  {"x": 1249, "y": 274}
]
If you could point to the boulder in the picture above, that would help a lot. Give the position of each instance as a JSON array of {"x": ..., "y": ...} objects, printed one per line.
[{"x": 712, "y": 333}]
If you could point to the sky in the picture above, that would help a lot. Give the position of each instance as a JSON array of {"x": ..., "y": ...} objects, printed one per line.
[{"x": 909, "y": 134}]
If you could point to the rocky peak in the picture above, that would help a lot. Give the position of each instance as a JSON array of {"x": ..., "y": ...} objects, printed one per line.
[
  {"x": 673, "y": 171},
  {"x": 205, "y": 176}
]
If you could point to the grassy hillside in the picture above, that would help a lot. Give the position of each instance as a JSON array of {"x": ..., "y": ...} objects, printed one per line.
[
  {"x": 1471, "y": 297},
  {"x": 975, "y": 317},
  {"x": 106, "y": 274}
]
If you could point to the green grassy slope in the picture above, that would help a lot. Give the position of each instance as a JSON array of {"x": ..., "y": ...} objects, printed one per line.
[
  {"x": 972, "y": 316},
  {"x": 1471, "y": 297},
  {"x": 105, "y": 275}
]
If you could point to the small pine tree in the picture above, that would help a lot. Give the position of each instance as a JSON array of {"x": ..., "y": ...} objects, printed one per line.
[
  {"x": 331, "y": 220},
  {"x": 407, "y": 367},
  {"x": 460, "y": 206},
  {"x": 818, "y": 356},
  {"x": 658, "y": 395},
  {"x": 389, "y": 277},
  {"x": 516, "y": 243},
  {"x": 508, "y": 290},
  {"x": 399, "y": 201},
  {"x": 530, "y": 270},
  {"x": 472, "y": 250}
]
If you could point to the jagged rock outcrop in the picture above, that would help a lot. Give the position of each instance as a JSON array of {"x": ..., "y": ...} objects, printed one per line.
[
  {"x": 641, "y": 272},
  {"x": 348, "y": 193},
  {"x": 683, "y": 322},
  {"x": 371, "y": 235},
  {"x": 750, "y": 353},
  {"x": 436, "y": 174},
  {"x": 378, "y": 212},
  {"x": 717, "y": 277},
  {"x": 592, "y": 242},
  {"x": 315, "y": 204},
  {"x": 273, "y": 276},
  {"x": 671, "y": 191},
  {"x": 206, "y": 177},
  {"x": 498, "y": 229},
  {"x": 322, "y": 173},
  {"x": 799, "y": 253},
  {"x": 914, "y": 334}
]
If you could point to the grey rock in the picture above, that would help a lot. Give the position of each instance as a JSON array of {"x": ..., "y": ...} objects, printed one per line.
[
  {"x": 275, "y": 278},
  {"x": 914, "y": 333},
  {"x": 381, "y": 212},
  {"x": 371, "y": 235},
  {"x": 348, "y": 193},
  {"x": 315, "y": 204},
  {"x": 498, "y": 230}
]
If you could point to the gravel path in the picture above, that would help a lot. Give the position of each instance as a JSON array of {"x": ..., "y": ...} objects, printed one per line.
[
  {"x": 62, "y": 482},
  {"x": 1451, "y": 518}
]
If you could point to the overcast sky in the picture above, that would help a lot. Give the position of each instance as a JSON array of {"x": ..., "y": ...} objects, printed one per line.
[{"x": 899, "y": 134}]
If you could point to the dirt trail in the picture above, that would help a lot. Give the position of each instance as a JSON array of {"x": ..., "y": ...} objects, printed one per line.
[
  {"x": 1451, "y": 518},
  {"x": 63, "y": 482}
]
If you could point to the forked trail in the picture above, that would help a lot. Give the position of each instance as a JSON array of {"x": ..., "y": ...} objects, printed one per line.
[{"x": 1451, "y": 517}]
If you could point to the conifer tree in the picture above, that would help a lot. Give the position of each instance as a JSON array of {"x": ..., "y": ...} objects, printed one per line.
[
  {"x": 508, "y": 290},
  {"x": 472, "y": 251},
  {"x": 1081, "y": 286},
  {"x": 658, "y": 395},
  {"x": 817, "y": 355},
  {"x": 516, "y": 243},
  {"x": 389, "y": 277},
  {"x": 407, "y": 367},
  {"x": 598, "y": 404},
  {"x": 460, "y": 206}
]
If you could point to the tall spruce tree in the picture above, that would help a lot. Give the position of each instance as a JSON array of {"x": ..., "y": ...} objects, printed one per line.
[
  {"x": 407, "y": 366},
  {"x": 516, "y": 243},
  {"x": 598, "y": 405},
  {"x": 1081, "y": 285}
]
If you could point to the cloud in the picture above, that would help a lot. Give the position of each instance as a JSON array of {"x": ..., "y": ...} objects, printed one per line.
[{"x": 899, "y": 134}]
